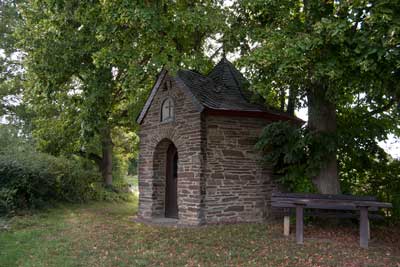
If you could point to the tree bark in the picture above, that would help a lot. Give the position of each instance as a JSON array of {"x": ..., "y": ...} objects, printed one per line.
[
  {"x": 291, "y": 101},
  {"x": 107, "y": 152},
  {"x": 282, "y": 98},
  {"x": 322, "y": 119}
]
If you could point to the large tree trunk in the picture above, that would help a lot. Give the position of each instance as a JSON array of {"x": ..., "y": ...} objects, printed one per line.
[
  {"x": 107, "y": 152},
  {"x": 322, "y": 119},
  {"x": 292, "y": 100},
  {"x": 282, "y": 98}
]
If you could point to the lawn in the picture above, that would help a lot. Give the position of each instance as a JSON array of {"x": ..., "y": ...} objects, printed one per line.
[{"x": 103, "y": 234}]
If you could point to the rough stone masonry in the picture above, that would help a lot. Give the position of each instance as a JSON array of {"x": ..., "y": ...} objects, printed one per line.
[{"x": 214, "y": 128}]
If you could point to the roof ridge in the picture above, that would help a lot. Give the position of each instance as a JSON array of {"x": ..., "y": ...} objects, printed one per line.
[
  {"x": 192, "y": 71},
  {"x": 234, "y": 72},
  {"x": 230, "y": 65}
]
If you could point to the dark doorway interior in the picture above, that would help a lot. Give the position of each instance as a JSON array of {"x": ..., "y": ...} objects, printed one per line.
[{"x": 171, "y": 197}]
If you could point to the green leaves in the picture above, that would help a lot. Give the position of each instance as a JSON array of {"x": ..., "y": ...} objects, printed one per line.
[
  {"x": 342, "y": 45},
  {"x": 297, "y": 154},
  {"x": 89, "y": 65},
  {"x": 346, "y": 53},
  {"x": 30, "y": 179}
]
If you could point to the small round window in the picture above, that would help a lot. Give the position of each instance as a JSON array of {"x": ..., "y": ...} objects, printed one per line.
[{"x": 167, "y": 110}]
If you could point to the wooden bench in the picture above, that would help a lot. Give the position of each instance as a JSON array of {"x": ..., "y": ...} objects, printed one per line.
[{"x": 345, "y": 203}]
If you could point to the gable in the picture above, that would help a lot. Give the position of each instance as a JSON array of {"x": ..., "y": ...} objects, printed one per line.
[
  {"x": 153, "y": 92},
  {"x": 162, "y": 78},
  {"x": 161, "y": 82}
]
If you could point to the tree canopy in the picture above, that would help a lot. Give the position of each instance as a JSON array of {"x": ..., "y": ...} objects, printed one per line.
[
  {"x": 89, "y": 66},
  {"x": 80, "y": 72},
  {"x": 339, "y": 59}
]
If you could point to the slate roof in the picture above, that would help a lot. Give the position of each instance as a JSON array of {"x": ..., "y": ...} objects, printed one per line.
[{"x": 223, "y": 89}]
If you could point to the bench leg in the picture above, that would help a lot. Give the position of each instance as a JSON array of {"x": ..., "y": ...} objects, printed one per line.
[
  {"x": 299, "y": 225},
  {"x": 286, "y": 226},
  {"x": 369, "y": 231},
  {"x": 364, "y": 227}
]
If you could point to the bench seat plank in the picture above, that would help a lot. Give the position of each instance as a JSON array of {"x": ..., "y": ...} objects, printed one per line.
[
  {"x": 328, "y": 206},
  {"x": 348, "y": 214},
  {"x": 316, "y": 203},
  {"x": 323, "y": 196}
]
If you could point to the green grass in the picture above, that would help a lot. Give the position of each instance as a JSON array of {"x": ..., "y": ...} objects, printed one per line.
[{"x": 103, "y": 234}]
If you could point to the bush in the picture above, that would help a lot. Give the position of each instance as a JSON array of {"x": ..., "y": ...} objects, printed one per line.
[
  {"x": 7, "y": 197},
  {"x": 376, "y": 177},
  {"x": 290, "y": 150},
  {"x": 31, "y": 180}
]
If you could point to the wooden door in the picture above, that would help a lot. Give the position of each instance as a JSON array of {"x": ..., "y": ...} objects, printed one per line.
[{"x": 171, "y": 196}]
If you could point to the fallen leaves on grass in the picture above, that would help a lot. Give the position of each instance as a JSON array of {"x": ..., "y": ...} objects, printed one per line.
[{"x": 102, "y": 234}]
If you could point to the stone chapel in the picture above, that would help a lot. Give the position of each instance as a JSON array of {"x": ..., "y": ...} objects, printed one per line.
[{"x": 197, "y": 162}]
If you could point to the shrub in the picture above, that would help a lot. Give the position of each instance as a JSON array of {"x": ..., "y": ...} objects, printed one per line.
[
  {"x": 30, "y": 179},
  {"x": 33, "y": 179},
  {"x": 374, "y": 177},
  {"x": 290, "y": 150},
  {"x": 7, "y": 197}
]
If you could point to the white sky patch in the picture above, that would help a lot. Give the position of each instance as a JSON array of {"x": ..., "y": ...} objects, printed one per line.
[
  {"x": 16, "y": 56},
  {"x": 228, "y": 3},
  {"x": 3, "y": 120},
  {"x": 391, "y": 146},
  {"x": 212, "y": 47},
  {"x": 75, "y": 91},
  {"x": 302, "y": 114},
  {"x": 114, "y": 72},
  {"x": 76, "y": 87},
  {"x": 13, "y": 100}
]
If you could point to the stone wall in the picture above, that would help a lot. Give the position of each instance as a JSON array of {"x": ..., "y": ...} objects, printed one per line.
[
  {"x": 238, "y": 189},
  {"x": 185, "y": 132},
  {"x": 219, "y": 175}
]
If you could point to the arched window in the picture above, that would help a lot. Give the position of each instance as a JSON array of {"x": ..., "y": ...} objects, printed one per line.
[{"x": 167, "y": 110}]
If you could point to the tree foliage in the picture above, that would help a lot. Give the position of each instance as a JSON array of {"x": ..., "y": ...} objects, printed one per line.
[
  {"x": 90, "y": 65},
  {"x": 295, "y": 153},
  {"x": 81, "y": 70},
  {"x": 31, "y": 179},
  {"x": 338, "y": 58},
  {"x": 10, "y": 64}
]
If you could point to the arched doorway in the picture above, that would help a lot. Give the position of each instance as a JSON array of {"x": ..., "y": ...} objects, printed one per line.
[
  {"x": 165, "y": 180},
  {"x": 171, "y": 183}
]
